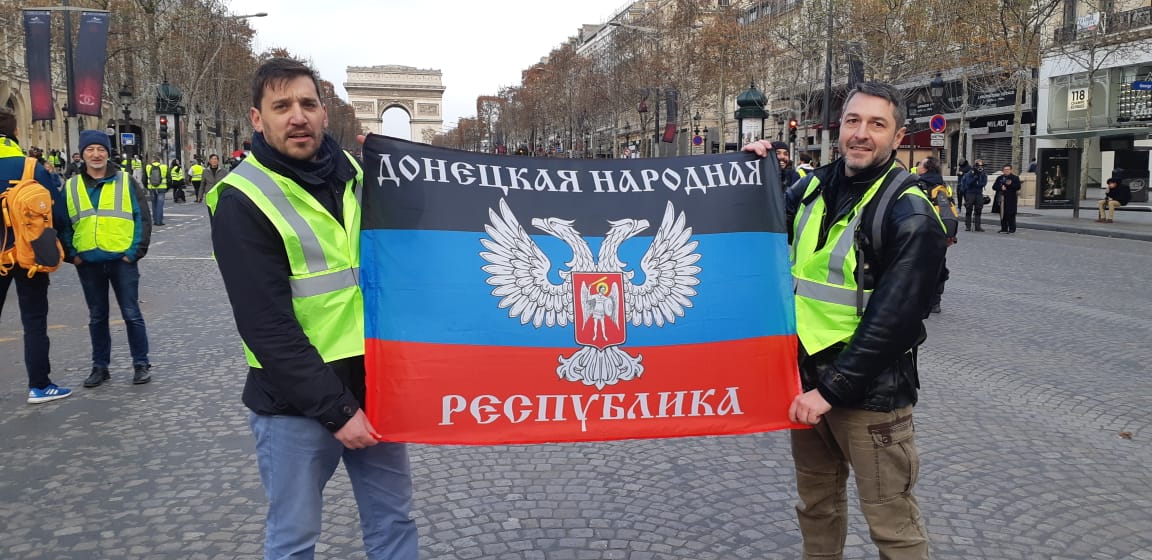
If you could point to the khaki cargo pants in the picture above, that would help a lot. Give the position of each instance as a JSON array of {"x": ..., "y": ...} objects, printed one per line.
[{"x": 879, "y": 447}]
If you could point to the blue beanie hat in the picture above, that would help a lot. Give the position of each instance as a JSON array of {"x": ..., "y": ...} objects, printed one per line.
[{"x": 89, "y": 137}]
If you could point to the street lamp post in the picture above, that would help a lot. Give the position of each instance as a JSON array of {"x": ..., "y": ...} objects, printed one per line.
[
  {"x": 911, "y": 136},
  {"x": 199, "y": 138},
  {"x": 125, "y": 95},
  {"x": 627, "y": 139},
  {"x": 936, "y": 91},
  {"x": 110, "y": 130}
]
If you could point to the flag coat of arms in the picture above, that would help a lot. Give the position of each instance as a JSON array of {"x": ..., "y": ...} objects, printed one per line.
[{"x": 525, "y": 300}]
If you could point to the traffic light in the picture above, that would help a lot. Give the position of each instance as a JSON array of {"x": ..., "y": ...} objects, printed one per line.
[
  {"x": 792, "y": 125},
  {"x": 163, "y": 128}
]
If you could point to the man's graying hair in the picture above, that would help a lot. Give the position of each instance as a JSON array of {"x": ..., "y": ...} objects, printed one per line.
[{"x": 883, "y": 90}]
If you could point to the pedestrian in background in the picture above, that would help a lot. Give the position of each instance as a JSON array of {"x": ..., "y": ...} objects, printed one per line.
[
  {"x": 1116, "y": 196},
  {"x": 156, "y": 174},
  {"x": 931, "y": 179},
  {"x": 788, "y": 175},
  {"x": 31, "y": 291},
  {"x": 213, "y": 172},
  {"x": 74, "y": 166},
  {"x": 305, "y": 352},
  {"x": 971, "y": 191},
  {"x": 858, "y": 366},
  {"x": 1007, "y": 186},
  {"x": 111, "y": 228},
  {"x": 175, "y": 179},
  {"x": 196, "y": 178}
]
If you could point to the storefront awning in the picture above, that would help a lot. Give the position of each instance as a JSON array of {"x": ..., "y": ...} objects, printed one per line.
[{"x": 1139, "y": 131}]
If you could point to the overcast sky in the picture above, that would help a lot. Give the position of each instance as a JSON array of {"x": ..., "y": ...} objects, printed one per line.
[{"x": 478, "y": 45}]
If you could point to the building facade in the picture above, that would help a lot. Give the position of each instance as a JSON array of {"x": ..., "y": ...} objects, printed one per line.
[{"x": 1095, "y": 102}]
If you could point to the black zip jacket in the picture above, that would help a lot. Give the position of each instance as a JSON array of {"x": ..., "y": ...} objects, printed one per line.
[
  {"x": 295, "y": 380},
  {"x": 876, "y": 370}
]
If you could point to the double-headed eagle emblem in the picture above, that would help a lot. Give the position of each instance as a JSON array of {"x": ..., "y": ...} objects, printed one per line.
[{"x": 596, "y": 295}]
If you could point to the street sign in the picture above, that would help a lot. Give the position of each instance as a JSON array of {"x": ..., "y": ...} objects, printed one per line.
[
  {"x": 697, "y": 140},
  {"x": 937, "y": 140},
  {"x": 127, "y": 138},
  {"x": 938, "y": 123},
  {"x": 1142, "y": 86}
]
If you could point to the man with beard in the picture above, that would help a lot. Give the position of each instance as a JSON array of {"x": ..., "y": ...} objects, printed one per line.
[
  {"x": 859, "y": 330},
  {"x": 285, "y": 232},
  {"x": 788, "y": 175}
]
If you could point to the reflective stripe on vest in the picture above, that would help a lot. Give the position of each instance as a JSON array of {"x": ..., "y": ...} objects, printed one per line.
[
  {"x": 323, "y": 255},
  {"x": 109, "y": 226},
  {"x": 825, "y": 278}
]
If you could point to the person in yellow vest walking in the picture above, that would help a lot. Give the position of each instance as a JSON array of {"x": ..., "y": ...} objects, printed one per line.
[
  {"x": 867, "y": 248},
  {"x": 175, "y": 179},
  {"x": 156, "y": 174},
  {"x": 196, "y": 177},
  {"x": 285, "y": 232},
  {"x": 111, "y": 228}
]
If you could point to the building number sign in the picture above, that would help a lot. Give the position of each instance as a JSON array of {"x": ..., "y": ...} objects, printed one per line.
[{"x": 1077, "y": 99}]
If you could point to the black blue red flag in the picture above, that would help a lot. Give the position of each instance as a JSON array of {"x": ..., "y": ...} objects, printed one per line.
[{"x": 517, "y": 300}]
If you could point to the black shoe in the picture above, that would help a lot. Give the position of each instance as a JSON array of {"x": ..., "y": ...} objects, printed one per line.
[
  {"x": 980, "y": 229},
  {"x": 142, "y": 375},
  {"x": 1002, "y": 231},
  {"x": 936, "y": 308},
  {"x": 98, "y": 376},
  {"x": 966, "y": 228}
]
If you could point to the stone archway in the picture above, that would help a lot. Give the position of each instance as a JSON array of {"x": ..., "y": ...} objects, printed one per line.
[{"x": 374, "y": 89}]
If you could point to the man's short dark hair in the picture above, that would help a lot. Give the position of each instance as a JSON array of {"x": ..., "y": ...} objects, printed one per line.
[
  {"x": 883, "y": 90},
  {"x": 276, "y": 72},
  {"x": 7, "y": 122},
  {"x": 931, "y": 165},
  {"x": 805, "y": 157},
  {"x": 1112, "y": 181}
]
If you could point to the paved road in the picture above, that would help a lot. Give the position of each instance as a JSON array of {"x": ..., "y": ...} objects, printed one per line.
[{"x": 1038, "y": 364}]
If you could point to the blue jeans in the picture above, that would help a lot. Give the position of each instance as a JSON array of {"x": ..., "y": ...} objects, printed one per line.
[
  {"x": 297, "y": 456},
  {"x": 32, "y": 298},
  {"x": 124, "y": 277},
  {"x": 157, "y": 205}
]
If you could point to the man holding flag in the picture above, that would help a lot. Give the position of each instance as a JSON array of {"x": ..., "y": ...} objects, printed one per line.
[
  {"x": 859, "y": 329},
  {"x": 285, "y": 230}
]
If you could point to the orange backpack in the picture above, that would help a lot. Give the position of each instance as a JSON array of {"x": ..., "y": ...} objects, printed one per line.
[{"x": 27, "y": 211}]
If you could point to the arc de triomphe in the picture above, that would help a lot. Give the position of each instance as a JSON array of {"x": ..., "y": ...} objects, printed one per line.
[{"x": 375, "y": 89}]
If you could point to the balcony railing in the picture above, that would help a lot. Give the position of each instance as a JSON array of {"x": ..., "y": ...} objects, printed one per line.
[
  {"x": 1111, "y": 23},
  {"x": 1132, "y": 19}
]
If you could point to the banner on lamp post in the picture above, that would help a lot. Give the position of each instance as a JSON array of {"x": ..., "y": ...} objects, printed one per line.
[
  {"x": 37, "y": 42},
  {"x": 92, "y": 47}
]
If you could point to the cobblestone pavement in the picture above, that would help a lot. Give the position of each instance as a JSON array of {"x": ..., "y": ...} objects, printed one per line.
[{"x": 1035, "y": 377}]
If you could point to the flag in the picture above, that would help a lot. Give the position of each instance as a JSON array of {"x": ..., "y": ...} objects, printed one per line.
[
  {"x": 523, "y": 300},
  {"x": 37, "y": 42},
  {"x": 92, "y": 46}
]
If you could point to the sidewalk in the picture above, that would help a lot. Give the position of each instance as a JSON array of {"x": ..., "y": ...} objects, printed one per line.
[{"x": 1129, "y": 224}]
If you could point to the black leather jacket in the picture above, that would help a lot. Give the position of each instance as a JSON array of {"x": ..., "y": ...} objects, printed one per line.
[{"x": 876, "y": 370}]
